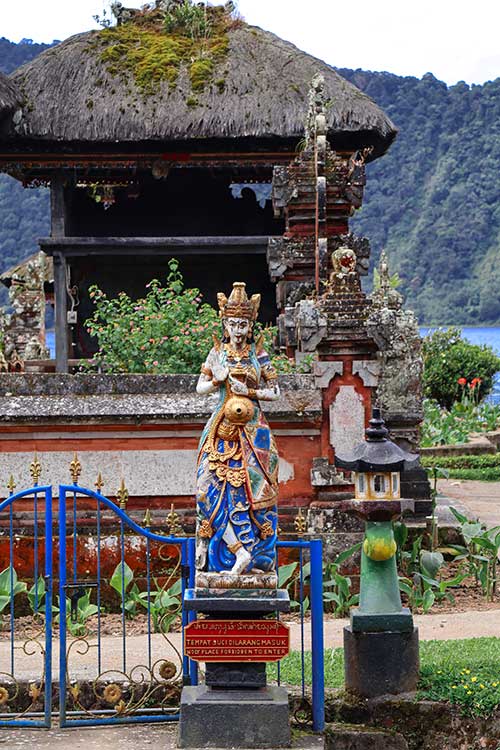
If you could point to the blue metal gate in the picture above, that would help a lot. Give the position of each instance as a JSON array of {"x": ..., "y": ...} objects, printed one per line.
[
  {"x": 107, "y": 672},
  {"x": 26, "y": 653},
  {"x": 119, "y": 684}
]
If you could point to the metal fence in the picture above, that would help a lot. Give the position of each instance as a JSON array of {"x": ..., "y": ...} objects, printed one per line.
[{"x": 102, "y": 637}]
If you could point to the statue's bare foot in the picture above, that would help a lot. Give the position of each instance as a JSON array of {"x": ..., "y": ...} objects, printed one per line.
[{"x": 242, "y": 560}]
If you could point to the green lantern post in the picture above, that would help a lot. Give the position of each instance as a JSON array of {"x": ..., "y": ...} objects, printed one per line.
[{"x": 381, "y": 642}]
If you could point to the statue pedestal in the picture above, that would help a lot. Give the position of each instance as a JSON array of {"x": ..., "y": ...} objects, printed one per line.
[
  {"x": 378, "y": 662},
  {"x": 234, "y": 708}
]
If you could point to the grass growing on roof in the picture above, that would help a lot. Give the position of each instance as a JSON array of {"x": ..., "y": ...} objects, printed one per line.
[
  {"x": 155, "y": 44},
  {"x": 464, "y": 672}
]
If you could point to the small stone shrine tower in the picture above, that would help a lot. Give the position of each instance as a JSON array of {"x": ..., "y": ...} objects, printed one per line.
[{"x": 368, "y": 348}]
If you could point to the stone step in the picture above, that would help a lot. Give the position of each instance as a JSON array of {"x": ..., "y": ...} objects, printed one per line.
[{"x": 360, "y": 737}]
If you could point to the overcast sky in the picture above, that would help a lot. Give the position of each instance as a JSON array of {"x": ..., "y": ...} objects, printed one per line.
[{"x": 453, "y": 39}]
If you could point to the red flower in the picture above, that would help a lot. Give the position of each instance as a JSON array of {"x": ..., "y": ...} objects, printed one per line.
[
  {"x": 462, "y": 381},
  {"x": 475, "y": 381}
]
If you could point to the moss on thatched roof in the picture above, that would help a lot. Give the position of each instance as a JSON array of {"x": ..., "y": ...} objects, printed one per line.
[
  {"x": 10, "y": 96},
  {"x": 91, "y": 88}
]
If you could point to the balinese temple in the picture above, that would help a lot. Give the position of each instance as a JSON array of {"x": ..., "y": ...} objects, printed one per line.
[{"x": 243, "y": 157}]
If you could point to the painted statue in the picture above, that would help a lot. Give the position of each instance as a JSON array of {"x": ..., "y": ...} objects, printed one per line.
[{"x": 237, "y": 479}]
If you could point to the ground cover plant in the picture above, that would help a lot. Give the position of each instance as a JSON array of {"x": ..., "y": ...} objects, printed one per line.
[
  {"x": 462, "y": 672},
  {"x": 443, "y": 426},
  {"x": 485, "y": 467}
]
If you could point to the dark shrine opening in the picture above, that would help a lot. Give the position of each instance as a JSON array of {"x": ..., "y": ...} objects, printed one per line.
[
  {"x": 210, "y": 273},
  {"x": 190, "y": 202}
]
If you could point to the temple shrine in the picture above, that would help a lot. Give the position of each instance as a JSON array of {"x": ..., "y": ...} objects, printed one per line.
[{"x": 252, "y": 169}]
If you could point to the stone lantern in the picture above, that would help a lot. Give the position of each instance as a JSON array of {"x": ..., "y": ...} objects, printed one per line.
[{"x": 381, "y": 642}]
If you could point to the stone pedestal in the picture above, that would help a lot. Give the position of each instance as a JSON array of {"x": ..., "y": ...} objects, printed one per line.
[
  {"x": 250, "y": 718},
  {"x": 377, "y": 663},
  {"x": 235, "y": 708}
]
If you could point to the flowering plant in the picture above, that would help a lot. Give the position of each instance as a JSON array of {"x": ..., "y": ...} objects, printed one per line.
[
  {"x": 169, "y": 330},
  {"x": 449, "y": 360}
]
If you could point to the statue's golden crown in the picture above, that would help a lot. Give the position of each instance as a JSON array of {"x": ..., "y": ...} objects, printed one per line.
[{"x": 238, "y": 305}]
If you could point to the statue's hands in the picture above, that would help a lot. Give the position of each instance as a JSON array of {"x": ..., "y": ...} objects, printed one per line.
[
  {"x": 220, "y": 372},
  {"x": 237, "y": 387}
]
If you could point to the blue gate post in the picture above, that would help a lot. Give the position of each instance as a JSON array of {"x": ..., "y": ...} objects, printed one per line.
[
  {"x": 62, "y": 605},
  {"x": 317, "y": 646},
  {"x": 48, "y": 605},
  {"x": 193, "y": 665}
]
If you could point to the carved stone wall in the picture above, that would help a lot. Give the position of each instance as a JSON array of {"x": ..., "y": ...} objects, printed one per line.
[{"x": 24, "y": 332}]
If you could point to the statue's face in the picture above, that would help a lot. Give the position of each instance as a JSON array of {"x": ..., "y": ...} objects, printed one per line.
[{"x": 237, "y": 330}]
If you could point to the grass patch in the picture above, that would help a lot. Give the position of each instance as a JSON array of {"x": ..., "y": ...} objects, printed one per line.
[
  {"x": 291, "y": 668},
  {"x": 463, "y": 672}
]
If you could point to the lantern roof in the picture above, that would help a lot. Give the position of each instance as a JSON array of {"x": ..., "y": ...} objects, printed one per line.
[{"x": 377, "y": 452}]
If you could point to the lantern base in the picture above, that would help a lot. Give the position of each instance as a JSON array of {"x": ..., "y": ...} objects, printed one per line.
[
  {"x": 366, "y": 622},
  {"x": 380, "y": 663}
]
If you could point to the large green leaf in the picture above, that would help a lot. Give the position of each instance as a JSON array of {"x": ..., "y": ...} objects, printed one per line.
[
  {"x": 285, "y": 572},
  {"x": 431, "y": 562},
  {"x": 470, "y": 530},
  {"x": 461, "y": 518},
  {"x": 346, "y": 554},
  {"x": 118, "y": 577},
  {"x": 428, "y": 600}
]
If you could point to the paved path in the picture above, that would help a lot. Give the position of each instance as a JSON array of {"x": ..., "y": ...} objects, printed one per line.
[
  {"x": 83, "y": 657},
  {"x": 478, "y": 499},
  {"x": 128, "y": 737}
]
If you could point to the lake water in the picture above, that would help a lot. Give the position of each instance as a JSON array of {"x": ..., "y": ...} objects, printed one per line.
[{"x": 476, "y": 335}]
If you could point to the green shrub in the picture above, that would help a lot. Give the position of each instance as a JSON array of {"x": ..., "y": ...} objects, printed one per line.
[
  {"x": 466, "y": 461},
  {"x": 448, "y": 358},
  {"x": 167, "y": 331}
]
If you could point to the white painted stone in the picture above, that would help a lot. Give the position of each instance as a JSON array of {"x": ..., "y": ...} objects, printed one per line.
[
  {"x": 347, "y": 419},
  {"x": 324, "y": 372},
  {"x": 286, "y": 471},
  {"x": 148, "y": 472},
  {"x": 155, "y": 473},
  {"x": 368, "y": 370}
]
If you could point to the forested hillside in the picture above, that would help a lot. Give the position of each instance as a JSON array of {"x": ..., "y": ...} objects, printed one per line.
[
  {"x": 433, "y": 201},
  {"x": 24, "y": 214}
]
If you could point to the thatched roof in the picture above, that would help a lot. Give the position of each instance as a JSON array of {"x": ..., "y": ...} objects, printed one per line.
[
  {"x": 260, "y": 90},
  {"x": 10, "y": 96}
]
